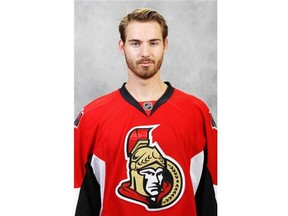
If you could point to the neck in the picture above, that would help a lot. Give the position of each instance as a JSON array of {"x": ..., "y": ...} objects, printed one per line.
[{"x": 146, "y": 90}]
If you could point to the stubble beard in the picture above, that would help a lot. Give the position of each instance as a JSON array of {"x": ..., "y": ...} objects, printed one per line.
[{"x": 144, "y": 72}]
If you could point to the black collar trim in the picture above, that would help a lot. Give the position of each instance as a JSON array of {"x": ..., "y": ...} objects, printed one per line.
[{"x": 131, "y": 100}]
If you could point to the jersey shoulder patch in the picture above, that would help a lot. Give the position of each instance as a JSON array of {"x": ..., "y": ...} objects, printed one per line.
[{"x": 78, "y": 118}]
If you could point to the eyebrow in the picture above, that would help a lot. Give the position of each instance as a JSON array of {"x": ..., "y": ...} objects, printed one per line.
[{"x": 151, "y": 40}]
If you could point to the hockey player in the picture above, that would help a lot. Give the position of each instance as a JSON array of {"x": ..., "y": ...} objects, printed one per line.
[{"x": 146, "y": 148}]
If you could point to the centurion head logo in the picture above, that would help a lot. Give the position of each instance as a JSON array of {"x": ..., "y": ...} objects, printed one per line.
[{"x": 154, "y": 180}]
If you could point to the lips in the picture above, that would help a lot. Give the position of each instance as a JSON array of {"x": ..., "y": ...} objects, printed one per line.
[{"x": 145, "y": 62}]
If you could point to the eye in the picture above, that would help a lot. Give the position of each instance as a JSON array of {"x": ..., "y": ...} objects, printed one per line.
[
  {"x": 153, "y": 44},
  {"x": 149, "y": 173},
  {"x": 135, "y": 44}
]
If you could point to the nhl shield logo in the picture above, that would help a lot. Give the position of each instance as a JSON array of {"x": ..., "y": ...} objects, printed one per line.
[{"x": 154, "y": 180}]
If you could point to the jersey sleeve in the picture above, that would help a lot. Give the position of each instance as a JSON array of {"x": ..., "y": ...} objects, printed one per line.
[
  {"x": 81, "y": 146},
  {"x": 205, "y": 196},
  {"x": 89, "y": 197}
]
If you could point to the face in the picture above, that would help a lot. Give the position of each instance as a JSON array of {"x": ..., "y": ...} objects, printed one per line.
[
  {"x": 144, "y": 48},
  {"x": 152, "y": 180}
]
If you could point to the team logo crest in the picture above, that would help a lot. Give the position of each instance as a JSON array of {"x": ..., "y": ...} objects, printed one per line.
[{"x": 154, "y": 180}]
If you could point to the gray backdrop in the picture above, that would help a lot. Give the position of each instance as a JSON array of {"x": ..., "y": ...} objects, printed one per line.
[{"x": 190, "y": 63}]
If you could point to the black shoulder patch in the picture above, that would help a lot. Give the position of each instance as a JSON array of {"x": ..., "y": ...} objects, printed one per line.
[
  {"x": 77, "y": 120},
  {"x": 213, "y": 123}
]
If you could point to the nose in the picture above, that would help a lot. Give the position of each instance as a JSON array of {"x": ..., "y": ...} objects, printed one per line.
[
  {"x": 145, "y": 51},
  {"x": 156, "y": 179}
]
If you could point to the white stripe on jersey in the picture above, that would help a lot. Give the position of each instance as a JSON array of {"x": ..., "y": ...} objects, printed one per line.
[
  {"x": 196, "y": 168},
  {"x": 98, "y": 167}
]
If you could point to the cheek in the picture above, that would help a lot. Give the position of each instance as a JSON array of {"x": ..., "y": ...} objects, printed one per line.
[
  {"x": 158, "y": 53},
  {"x": 160, "y": 178},
  {"x": 131, "y": 52}
]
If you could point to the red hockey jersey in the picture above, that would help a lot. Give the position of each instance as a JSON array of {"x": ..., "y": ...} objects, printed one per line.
[{"x": 131, "y": 162}]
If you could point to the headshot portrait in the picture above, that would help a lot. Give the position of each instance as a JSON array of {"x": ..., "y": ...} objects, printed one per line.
[
  {"x": 190, "y": 61},
  {"x": 145, "y": 107},
  {"x": 162, "y": 95}
]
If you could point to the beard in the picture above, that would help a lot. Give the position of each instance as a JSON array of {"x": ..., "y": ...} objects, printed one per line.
[{"x": 144, "y": 72}]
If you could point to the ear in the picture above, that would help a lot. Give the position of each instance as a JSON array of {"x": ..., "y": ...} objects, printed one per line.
[
  {"x": 165, "y": 45},
  {"x": 121, "y": 46}
]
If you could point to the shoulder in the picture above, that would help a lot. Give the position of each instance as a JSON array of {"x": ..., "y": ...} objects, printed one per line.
[
  {"x": 94, "y": 110},
  {"x": 189, "y": 100},
  {"x": 102, "y": 102},
  {"x": 192, "y": 105}
]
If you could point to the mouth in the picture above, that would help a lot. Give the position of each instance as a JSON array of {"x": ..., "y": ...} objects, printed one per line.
[
  {"x": 154, "y": 186},
  {"x": 145, "y": 63}
]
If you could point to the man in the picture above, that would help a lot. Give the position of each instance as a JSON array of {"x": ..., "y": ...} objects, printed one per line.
[{"x": 147, "y": 148}]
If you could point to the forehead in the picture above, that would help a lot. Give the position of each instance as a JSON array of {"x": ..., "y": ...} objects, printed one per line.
[{"x": 143, "y": 30}]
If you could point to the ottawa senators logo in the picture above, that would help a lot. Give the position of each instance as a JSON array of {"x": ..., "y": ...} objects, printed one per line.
[{"x": 154, "y": 180}]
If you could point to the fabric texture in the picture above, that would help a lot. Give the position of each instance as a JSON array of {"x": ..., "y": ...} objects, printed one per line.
[{"x": 145, "y": 157}]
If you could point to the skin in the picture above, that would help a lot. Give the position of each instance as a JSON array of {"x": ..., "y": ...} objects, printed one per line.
[{"x": 144, "y": 51}]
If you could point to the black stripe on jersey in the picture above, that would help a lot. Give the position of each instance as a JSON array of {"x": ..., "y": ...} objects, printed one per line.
[
  {"x": 213, "y": 123},
  {"x": 206, "y": 203},
  {"x": 168, "y": 93},
  {"x": 131, "y": 100},
  {"x": 89, "y": 201},
  {"x": 77, "y": 120}
]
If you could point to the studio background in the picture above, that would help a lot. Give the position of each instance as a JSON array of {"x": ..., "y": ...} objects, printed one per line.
[{"x": 190, "y": 63}]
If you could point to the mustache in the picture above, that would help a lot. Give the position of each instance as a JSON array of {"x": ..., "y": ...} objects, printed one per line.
[{"x": 145, "y": 60}]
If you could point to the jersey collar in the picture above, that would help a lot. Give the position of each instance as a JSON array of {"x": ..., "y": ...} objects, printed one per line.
[{"x": 131, "y": 100}]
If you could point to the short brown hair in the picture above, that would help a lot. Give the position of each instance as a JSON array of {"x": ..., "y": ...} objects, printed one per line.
[{"x": 143, "y": 15}]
